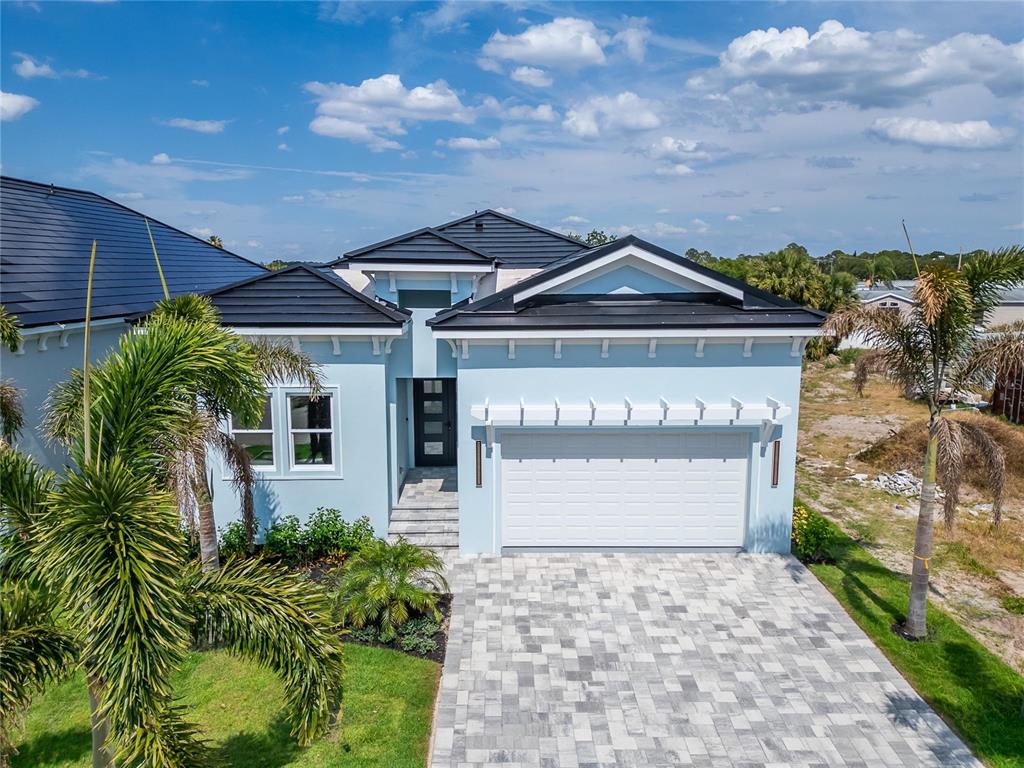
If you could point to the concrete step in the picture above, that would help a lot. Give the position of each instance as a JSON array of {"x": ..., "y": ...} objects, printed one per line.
[
  {"x": 423, "y": 526},
  {"x": 431, "y": 540},
  {"x": 411, "y": 515},
  {"x": 427, "y": 504}
]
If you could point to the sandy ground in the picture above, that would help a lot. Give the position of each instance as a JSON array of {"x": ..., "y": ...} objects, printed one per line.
[{"x": 975, "y": 567}]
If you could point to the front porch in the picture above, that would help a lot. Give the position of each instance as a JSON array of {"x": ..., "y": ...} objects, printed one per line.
[{"x": 427, "y": 512}]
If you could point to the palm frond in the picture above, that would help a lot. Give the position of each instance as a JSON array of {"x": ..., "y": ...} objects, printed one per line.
[
  {"x": 280, "y": 364},
  {"x": 991, "y": 355},
  {"x": 12, "y": 418},
  {"x": 262, "y": 612},
  {"x": 243, "y": 478},
  {"x": 994, "y": 460},
  {"x": 35, "y": 649},
  {"x": 989, "y": 275},
  {"x": 942, "y": 294},
  {"x": 10, "y": 329},
  {"x": 950, "y": 464},
  {"x": 25, "y": 487},
  {"x": 872, "y": 361}
]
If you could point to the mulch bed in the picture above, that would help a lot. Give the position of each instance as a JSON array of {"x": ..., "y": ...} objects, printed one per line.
[{"x": 444, "y": 605}]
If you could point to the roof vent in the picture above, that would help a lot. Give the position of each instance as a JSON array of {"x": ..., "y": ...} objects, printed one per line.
[{"x": 479, "y": 225}]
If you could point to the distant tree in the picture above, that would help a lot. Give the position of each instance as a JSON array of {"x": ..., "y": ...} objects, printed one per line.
[
  {"x": 701, "y": 257},
  {"x": 594, "y": 238},
  {"x": 215, "y": 241},
  {"x": 880, "y": 269},
  {"x": 791, "y": 274},
  {"x": 277, "y": 264}
]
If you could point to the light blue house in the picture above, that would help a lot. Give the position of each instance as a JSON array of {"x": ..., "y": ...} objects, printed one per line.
[
  {"x": 494, "y": 386},
  {"x": 513, "y": 389}
]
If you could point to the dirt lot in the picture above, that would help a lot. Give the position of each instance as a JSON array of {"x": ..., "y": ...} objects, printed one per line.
[{"x": 977, "y": 571}]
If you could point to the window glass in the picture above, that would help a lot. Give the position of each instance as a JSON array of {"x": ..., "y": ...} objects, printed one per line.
[
  {"x": 310, "y": 428},
  {"x": 433, "y": 406},
  {"x": 257, "y": 439}
]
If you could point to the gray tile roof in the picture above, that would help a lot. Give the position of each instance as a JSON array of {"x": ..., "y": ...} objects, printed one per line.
[
  {"x": 487, "y": 236},
  {"x": 301, "y": 296},
  {"x": 422, "y": 246},
  {"x": 46, "y": 234},
  {"x": 500, "y": 311}
]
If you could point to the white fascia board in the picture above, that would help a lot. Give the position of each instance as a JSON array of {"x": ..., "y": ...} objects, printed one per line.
[
  {"x": 638, "y": 335},
  {"x": 445, "y": 268},
  {"x": 326, "y": 331},
  {"x": 897, "y": 296},
  {"x": 624, "y": 252},
  {"x": 67, "y": 327}
]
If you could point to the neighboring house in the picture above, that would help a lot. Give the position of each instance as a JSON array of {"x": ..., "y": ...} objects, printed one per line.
[
  {"x": 612, "y": 397},
  {"x": 46, "y": 235}
]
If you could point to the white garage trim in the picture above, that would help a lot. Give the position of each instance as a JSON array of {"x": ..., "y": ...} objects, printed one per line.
[{"x": 622, "y": 489}]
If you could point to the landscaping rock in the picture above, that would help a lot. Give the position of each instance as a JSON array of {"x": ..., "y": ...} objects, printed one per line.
[{"x": 898, "y": 483}]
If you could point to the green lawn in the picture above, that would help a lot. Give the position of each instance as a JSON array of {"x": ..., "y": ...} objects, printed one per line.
[
  {"x": 972, "y": 689},
  {"x": 388, "y": 705}
]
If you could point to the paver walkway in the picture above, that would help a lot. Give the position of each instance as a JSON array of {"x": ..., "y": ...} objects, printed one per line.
[{"x": 668, "y": 660}]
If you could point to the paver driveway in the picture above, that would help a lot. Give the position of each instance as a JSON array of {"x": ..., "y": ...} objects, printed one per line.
[{"x": 668, "y": 659}]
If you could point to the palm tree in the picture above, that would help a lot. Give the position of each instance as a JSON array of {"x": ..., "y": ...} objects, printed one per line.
[
  {"x": 105, "y": 541},
  {"x": 185, "y": 457},
  {"x": 938, "y": 351},
  {"x": 215, "y": 241},
  {"x": 11, "y": 417},
  {"x": 792, "y": 274},
  {"x": 880, "y": 269}
]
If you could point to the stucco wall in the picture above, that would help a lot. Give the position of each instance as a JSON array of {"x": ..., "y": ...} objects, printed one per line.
[
  {"x": 675, "y": 374},
  {"x": 361, "y": 485},
  {"x": 35, "y": 373}
]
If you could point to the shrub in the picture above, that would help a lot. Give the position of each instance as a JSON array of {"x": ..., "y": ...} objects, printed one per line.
[
  {"x": 385, "y": 584},
  {"x": 813, "y": 536},
  {"x": 1013, "y": 604},
  {"x": 232, "y": 540},
  {"x": 328, "y": 533},
  {"x": 284, "y": 539}
]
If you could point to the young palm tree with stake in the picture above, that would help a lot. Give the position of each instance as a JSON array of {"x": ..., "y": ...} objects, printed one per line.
[{"x": 937, "y": 351}]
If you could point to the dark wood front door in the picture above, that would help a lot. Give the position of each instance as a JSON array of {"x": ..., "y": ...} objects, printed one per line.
[{"x": 434, "y": 408}]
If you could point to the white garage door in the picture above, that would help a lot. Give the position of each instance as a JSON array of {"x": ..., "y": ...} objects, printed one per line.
[{"x": 622, "y": 489}]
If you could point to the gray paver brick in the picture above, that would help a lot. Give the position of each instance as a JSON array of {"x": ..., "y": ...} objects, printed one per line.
[{"x": 596, "y": 659}]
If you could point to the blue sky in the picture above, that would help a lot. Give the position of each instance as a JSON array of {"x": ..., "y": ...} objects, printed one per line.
[{"x": 302, "y": 130}]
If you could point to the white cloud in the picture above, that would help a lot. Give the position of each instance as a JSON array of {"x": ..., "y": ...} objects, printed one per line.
[
  {"x": 699, "y": 225},
  {"x": 575, "y": 220},
  {"x": 795, "y": 69},
  {"x": 203, "y": 232},
  {"x": 14, "y": 105},
  {"x": 538, "y": 78},
  {"x": 199, "y": 126},
  {"x": 129, "y": 196},
  {"x": 284, "y": 147},
  {"x": 772, "y": 209},
  {"x": 676, "y": 169},
  {"x": 293, "y": 198},
  {"x": 634, "y": 39},
  {"x": 469, "y": 144},
  {"x": 733, "y": 217},
  {"x": 251, "y": 244},
  {"x": 661, "y": 229},
  {"x": 201, "y": 83},
  {"x": 563, "y": 42},
  {"x": 283, "y": 130},
  {"x": 506, "y": 211},
  {"x": 490, "y": 65},
  {"x": 933, "y": 134},
  {"x": 29, "y": 67},
  {"x": 678, "y": 150},
  {"x": 447, "y": 16},
  {"x": 625, "y": 112},
  {"x": 374, "y": 110},
  {"x": 160, "y": 158},
  {"x": 542, "y": 113}
]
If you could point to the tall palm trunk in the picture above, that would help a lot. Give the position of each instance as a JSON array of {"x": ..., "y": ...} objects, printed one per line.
[
  {"x": 207, "y": 523},
  {"x": 101, "y": 755},
  {"x": 916, "y": 626}
]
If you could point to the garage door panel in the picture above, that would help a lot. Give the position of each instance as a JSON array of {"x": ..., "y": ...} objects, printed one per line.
[{"x": 618, "y": 489}]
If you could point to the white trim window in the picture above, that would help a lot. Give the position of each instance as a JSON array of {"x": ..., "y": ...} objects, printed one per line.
[
  {"x": 258, "y": 439},
  {"x": 311, "y": 435}
]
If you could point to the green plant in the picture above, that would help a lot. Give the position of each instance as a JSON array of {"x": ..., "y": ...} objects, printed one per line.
[
  {"x": 328, "y": 533},
  {"x": 813, "y": 536},
  {"x": 234, "y": 540},
  {"x": 939, "y": 348},
  {"x": 421, "y": 646},
  {"x": 284, "y": 539},
  {"x": 384, "y": 584},
  {"x": 1013, "y": 604},
  {"x": 849, "y": 355}
]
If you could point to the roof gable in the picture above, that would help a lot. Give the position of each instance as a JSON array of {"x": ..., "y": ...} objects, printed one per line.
[
  {"x": 513, "y": 242},
  {"x": 424, "y": 246},
  {"x": 301, "y": 296},
  {"x": 46, "y": 235}
]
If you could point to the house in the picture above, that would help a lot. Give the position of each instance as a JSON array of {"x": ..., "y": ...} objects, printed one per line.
[
  {"x": 543, "y": 394},
  {"x": 46, "y": 235},
  {"x": 612, "y": 397}
]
